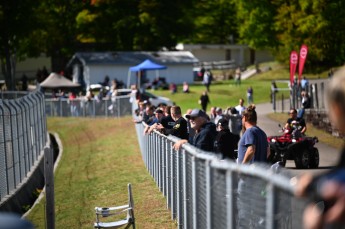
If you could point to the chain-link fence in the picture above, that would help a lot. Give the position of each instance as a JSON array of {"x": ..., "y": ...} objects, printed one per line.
[
  {"x": 205, "y": 192},
  {"x": 23, "y": 135},
  {"x": 63, "y": 107}
]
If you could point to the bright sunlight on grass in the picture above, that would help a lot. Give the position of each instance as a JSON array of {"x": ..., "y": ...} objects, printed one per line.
[{"x": 100, "y": 157}]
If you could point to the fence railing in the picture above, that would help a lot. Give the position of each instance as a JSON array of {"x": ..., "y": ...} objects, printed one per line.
[
  {"x": 283, "y": 101},
  {"x": 116, "y": 107},
  {"x": 204, "y": 192},
  {"x": 23, "y": 135},
  {"x": 217, "y": 65}
]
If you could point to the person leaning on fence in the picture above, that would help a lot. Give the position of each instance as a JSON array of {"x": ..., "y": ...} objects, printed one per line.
[
  {"x": 180, "y": 128},
  {"x": 167, "y": 121},
  {"x": 329, "y": 187},
  {"x": 205, "y": 131}
]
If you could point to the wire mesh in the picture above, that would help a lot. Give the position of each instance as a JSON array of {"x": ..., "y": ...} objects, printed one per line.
[
  {"x": 218, "y": 198},
  {"x": 22, "y": 137},
  {"x": 203, "y": 192},
  {"x": 201, "y": 213}
]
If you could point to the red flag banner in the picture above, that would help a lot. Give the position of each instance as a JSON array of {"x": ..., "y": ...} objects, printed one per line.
[
  {"x": 302, "y": 57},
  {"x": 293, "y": 65}
]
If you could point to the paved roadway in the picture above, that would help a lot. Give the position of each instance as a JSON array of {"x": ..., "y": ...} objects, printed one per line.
[{"x": 328, "y": 155}]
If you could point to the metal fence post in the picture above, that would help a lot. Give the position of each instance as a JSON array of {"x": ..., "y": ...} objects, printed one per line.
[
  {"x": 316, "y": 96},
  {"x": 322, "y": 95},
  {"x": 184, "y": 177},
  {"x": 195, "y": 217},
  {"x": 49, "y": 186},
  {"x": 172, "y": 165},
  {"x": 208, "y": 194},
  {"x": 273, "y": 95},
  {"x": 230, "y": 201},
  {"x": 282, "y": 103},
  {"x": 270, "y": 210}
]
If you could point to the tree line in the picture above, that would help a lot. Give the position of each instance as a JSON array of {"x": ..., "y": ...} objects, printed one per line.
[{"x": 59, "y": 28}]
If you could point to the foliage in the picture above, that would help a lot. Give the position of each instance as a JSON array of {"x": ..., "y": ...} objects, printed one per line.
[
  {"x": 283, "y": 26},
  {"x": 59, "y": 28}
]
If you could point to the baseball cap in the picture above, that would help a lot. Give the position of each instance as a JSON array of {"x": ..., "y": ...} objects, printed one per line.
[
  {"x": 223, "y": 122},
  {"x": 196, "y": 113},
  {"x": 158, "y": 111}
]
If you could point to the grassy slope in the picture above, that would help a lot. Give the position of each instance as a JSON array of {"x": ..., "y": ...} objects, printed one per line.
[{"x": 100, "y": 157}]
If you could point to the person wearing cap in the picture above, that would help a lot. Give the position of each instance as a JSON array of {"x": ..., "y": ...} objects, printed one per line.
[
  {"x": 226, "y": 142},
  {"x": 180, "y": 128},
  {"x": 205, "y": 131},
  {"x": 158, "y": 115}
]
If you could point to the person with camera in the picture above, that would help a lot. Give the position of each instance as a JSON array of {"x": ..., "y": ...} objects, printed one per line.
[{"x": 328, "y": 188}]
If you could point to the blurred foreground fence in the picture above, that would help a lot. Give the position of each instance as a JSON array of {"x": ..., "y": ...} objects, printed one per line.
[
  {"x": 23, "y": 135},
  {"x": 204, "y": 192}
]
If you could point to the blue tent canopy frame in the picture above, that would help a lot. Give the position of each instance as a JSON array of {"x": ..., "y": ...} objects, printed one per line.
[{"x": 146, "y": 65}]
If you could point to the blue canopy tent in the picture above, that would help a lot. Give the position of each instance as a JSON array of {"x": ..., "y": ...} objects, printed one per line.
[{"x": 146, "y": 65}]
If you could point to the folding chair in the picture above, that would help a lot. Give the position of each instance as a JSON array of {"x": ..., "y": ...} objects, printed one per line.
[{"x": 102, "y": 212}]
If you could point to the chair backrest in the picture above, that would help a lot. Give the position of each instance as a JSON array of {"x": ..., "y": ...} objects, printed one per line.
[
  {"x": 130, "y": 202},
  {"x": 116, "y": 210}
]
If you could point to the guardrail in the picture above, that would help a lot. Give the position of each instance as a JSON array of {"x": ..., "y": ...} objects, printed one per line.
[
  {"x": 204, "y": 192},
  {"x": 219, "y": 65},
  {"x": 63, "y": 107},
  {"x": 23, "y": 135}
]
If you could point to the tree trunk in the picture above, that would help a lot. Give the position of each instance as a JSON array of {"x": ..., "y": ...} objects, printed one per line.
[{"x": 7, "y": 70}]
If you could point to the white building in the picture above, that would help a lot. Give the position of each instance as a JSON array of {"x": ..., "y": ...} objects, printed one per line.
[
  {"x": 241, "y": 54},
  {"x": 92, "y": 67}
]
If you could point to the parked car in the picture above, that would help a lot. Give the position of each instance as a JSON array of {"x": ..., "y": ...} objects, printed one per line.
[{"x": 153, "y": 99}]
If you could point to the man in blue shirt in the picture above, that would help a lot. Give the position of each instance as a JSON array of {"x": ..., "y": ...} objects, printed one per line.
[{"x": 253, "y": 146}]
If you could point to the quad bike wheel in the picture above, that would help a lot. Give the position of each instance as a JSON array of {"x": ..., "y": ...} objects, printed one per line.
[
  {"x": 302, "y": 160},
  {"x": 314, "y": 159}
]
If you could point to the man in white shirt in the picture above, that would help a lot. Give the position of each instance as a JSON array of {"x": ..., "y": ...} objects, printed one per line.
[{"x": 240, "y": 108}]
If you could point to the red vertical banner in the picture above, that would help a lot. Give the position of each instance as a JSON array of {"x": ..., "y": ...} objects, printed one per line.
[
  {"x": 293, "y": 65},
  {"x": 302, "y": 57}
]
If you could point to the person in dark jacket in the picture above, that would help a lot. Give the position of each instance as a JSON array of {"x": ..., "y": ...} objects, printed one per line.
[
  {"x": 180, "y": 128},
  {"x": 226, "y": 142},
  {"x": 205, "y": 131}
]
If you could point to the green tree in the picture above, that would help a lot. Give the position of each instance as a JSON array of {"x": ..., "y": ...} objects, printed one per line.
[
  {"x": 112, "y": 23},
  {"x": 17, "y": 19},
  {"x": 256, "y": 23},
  {"x": 214, "y": 22}
]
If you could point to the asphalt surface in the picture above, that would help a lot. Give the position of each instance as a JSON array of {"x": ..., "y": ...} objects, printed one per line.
[{"x": 328, "y": 155}]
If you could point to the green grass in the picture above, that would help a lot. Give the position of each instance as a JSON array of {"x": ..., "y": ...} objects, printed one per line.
[{"x": 100, "y": 157}]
